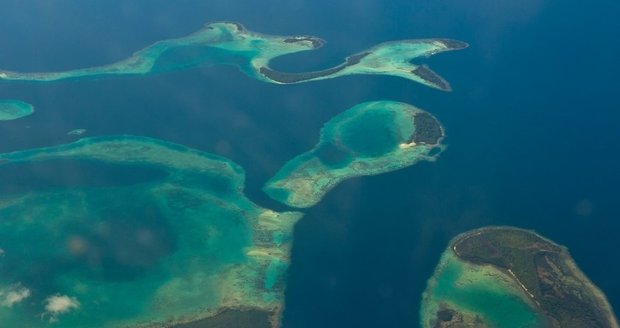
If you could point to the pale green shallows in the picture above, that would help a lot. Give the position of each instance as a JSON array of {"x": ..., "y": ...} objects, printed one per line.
[
  {"x": 11, "y": 109},
  {"x": 477, "y": 291},
  {"x": 367, "y": 139},
  {"x": 173, "y": 249},
  {"x": 230, "y": 43}
]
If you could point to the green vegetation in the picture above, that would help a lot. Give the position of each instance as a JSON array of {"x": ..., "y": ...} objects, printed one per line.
[
  {"x": 461, "y": 295},
  {"x": 183, "y": 247},
  {"x": 179, "y": 245},
  {"x": 545, "y": 270},
  {"x": 231, "y": 44},
  {"x": 369, "y": 138},
  {"x": 538, "y": 271}
]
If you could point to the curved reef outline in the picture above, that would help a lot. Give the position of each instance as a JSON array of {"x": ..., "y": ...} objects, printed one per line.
[
  {"x": 367, "y": 139},
  {"x": 232, "y": 44}
]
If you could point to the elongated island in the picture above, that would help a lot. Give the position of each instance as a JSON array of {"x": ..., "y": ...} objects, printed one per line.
[
  {"x": 505, "y": 277},
  {"x": 230, "y": 43}
]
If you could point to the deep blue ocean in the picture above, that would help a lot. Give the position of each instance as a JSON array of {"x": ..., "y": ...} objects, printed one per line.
[{"x": 533, "y": 127}]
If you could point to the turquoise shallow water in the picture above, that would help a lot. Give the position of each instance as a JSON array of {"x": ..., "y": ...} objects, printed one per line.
[
  {"x": 106, "y": 255},
  {"x": 369, "y": 134},
  {"x": 11, "y": 109},
  {"x": 531, "y": 143},
  {"x": 90, "y": 252},
  {"x": 112, "y": 255},
  {"x": 498, "y": 308}
]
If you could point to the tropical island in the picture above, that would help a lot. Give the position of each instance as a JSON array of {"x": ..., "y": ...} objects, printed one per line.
[
  {"x": 230, "y": 43},
  {"x": 189, "y": 249},
  {"x": 161, "y": 235},
  {"x": 510, "y": 277},
  {"x": 367, "y": 139}
]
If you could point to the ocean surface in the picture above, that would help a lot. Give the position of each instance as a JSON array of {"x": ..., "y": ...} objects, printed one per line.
[{"x": 533, "y": 127}]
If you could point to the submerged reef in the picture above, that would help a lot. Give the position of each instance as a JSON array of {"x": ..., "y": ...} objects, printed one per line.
[
  {"x": 12, "y": 109},
  {"x": 506, "y": 277},
  {"x": 180, "y": 249},
  {"x": 154, "y": 234},
  {"x": 367, "y": 139},
  {"x": 232, "y": 44}
]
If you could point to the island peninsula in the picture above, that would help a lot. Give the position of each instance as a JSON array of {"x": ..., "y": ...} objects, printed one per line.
[
  {"x": 367, "y": 139},
  {"x": 506, "y": 277}
]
